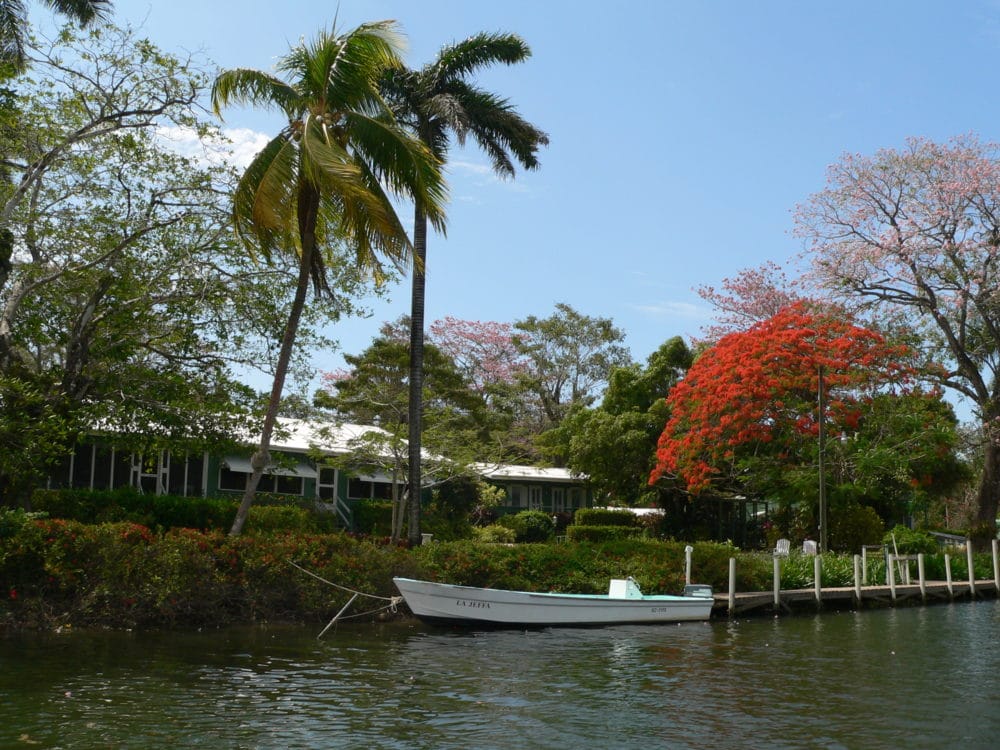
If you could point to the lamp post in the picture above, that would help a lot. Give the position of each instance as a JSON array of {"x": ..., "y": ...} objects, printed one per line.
[{"x": 822, "y": 474}]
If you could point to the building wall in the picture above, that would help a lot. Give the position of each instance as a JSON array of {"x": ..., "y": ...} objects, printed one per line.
[
  {"x": 98, "y": 466},
  {"x": 549, "y": 497}
]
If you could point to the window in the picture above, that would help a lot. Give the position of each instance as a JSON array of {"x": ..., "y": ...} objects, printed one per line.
[
  {"x": 359, "y": 489},
  {"x": 515, "y": 496},
  {"x": 83, "y": 463},
  {"x": 194, "y": 479},
  {"x": 232, "y": 481},
  {"x": 121, "y": 469},
  {"x": 382, "y": 490},
  {"x": 103, "y": 464},
  {"x": 535, "y": 498},
  {"x": 326, "y": 484},
  {"x": 558, "y": 499},
  {"x": 283, "y": 484}
]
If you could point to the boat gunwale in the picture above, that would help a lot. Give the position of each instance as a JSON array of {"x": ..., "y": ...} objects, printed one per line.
[{"x": 644, "y": 598}]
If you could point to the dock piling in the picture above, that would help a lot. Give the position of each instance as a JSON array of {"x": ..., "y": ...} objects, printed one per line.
[
  {"x": 972, "y": 569},
  {"x": 996, "y": 568},
  {"x": 920, "y": 576},
  {"x": 777, "y": 582},
  {"x": 857, "y": 579},
  {"x": 947, "y": 574},
  {"x": 732, "y": 585},
  {"x": 891, "y": 575},
  {"x": 817, "y": 570}
]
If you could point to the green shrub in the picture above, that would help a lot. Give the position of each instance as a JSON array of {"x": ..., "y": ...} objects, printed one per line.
[
  {"x": 272, "y": 518},
  {"x": 444, "y": 528},
  {"x": 605, "y": 517},
  {"x": 373, "y": 517},
  {"x": 494, "y": 534},
  {"x": 909, "y": 541},
  {"x": 529, "y": 526},
  {"x": 854, "y": 526},
  {"x": 12, "y": 520},
  {"x": 127, "y": 504},
  {"x": 54, "y": 572},
  {"x": 599, "y": 534}
]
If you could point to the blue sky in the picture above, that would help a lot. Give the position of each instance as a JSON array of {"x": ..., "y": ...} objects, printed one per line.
[{"x": 682, "y": 134}]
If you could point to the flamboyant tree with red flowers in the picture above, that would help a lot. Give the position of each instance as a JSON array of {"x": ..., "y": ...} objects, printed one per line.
[{"x": 749, "y": 405}]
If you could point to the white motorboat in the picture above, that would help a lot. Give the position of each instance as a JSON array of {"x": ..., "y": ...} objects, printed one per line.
[{"x": 624, "y": 603}]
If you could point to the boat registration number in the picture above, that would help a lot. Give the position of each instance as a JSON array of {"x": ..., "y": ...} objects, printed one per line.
[{"x": 475, "y": 605}]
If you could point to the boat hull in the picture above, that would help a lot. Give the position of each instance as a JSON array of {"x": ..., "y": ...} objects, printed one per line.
[{"x": 442, "y": 602}]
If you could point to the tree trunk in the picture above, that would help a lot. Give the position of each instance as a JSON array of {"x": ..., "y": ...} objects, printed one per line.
[
  {"x": 307, "y": 209},
  {"x": 989, "y": 491},
  {"x": 416, "y": 368}
]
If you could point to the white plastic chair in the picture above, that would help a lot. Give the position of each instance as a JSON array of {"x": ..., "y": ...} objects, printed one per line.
[{"x": 782, "y": 547}]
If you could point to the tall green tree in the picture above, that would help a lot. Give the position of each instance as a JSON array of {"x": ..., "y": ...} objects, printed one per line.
[
  {"x": 438, "y": 102},
  {"x": 614, "y": 444},
  {"x": 374, "y": 392},
  {"x": 128, "y": 302},
  {"x": 568, "y": 360},
  {"x": 324, "y": 176},
  {"x": 14, "y": 25}
]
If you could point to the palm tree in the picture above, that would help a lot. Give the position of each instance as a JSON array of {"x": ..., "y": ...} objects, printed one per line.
[
  {"x": 321, "y": 178},
  {"x": 14, "y": 24},
  {"x": 437, "y": 102}
]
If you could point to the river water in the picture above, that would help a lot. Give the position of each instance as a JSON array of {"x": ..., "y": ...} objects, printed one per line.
[{"x": 921, "y": 677}]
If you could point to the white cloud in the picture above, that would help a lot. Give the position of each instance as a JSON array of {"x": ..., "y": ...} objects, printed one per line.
[
  {"x": 468, "y": 167},
  {"x": 236, "y": 147}
]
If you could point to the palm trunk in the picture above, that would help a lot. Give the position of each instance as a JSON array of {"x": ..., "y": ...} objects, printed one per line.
[
  {"x": 307, "y": 208},
  {"x": 416, "y": 368}
]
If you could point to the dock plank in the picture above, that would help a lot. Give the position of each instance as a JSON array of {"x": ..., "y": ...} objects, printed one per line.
[{"x": 751, "y": 601}]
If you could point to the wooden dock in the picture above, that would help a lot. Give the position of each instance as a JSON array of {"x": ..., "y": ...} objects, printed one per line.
[
  {"x": 859, "y": 595},
  {"x": 796, "y": 600}
]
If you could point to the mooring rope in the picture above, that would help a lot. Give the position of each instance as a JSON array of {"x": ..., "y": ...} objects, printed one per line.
[
  {"x": 393, "y": 600},
  {"x": 391, "y": 607}
]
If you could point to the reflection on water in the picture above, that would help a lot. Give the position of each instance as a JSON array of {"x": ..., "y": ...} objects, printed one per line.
[{"x": 920, "y": 677}]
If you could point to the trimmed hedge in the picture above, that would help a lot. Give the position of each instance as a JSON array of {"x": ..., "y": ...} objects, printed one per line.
[
  {"x": 605, "y": 517},
  {"x": 529, "y": 526},
  {"x": 122, "y": 575},
  {"x": 164, "y": 511},
  {"x": 598, "y": 534},
  {"x": 270, "y": 512},
  {"x": 583, "y": 568}
]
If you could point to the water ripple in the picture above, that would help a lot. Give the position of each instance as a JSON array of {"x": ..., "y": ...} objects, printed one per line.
[{"x": 831, "y": 681}]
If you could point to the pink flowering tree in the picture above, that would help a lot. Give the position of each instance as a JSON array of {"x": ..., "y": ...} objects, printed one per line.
[
  {"x": 914, "y": 233},
  {"x": 750, "y": 297},
  {"x": 483, "y": 351}
]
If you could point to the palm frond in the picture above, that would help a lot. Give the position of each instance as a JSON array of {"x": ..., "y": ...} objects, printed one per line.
[
  {"x": 13, "y": 28},
  {"x": 354, "y": 196},
  {"x": 340, "y": 72},
  {"x": 403, "y": 162},
  {"x": 82, "y": 11},
  {"x": 264, "y": 200},
  {"x": 463, "y": 58},
  {"x": 372, "y": 222},
  {"x": 256, "y": 88},
  {"x": 498, "y": 128}
]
